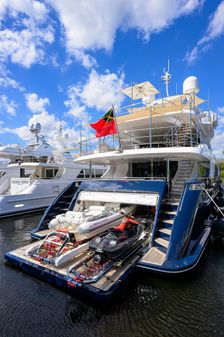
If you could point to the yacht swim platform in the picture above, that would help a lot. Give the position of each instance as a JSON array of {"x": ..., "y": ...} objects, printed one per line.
[{"x": 103, "y": 288}]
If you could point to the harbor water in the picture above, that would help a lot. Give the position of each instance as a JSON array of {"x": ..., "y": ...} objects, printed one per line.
[{"x": 147, "y": 305}]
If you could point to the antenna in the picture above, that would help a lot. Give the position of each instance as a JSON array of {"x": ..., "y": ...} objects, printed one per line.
[
  {"x": 209, "y": 100},
  {"x": 35, "y": 129},
  {"x": 167, "y": 77}
]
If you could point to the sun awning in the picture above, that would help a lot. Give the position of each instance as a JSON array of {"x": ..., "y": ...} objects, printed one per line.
[
  {"x": 177, "y": 100},
  {"x": 140, "y": 90}
]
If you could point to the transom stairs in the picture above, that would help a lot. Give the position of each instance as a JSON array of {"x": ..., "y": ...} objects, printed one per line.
[{"x": 157, "y": 253}]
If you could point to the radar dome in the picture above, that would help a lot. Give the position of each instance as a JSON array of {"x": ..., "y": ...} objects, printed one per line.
[{"x": 191, "y": 85}]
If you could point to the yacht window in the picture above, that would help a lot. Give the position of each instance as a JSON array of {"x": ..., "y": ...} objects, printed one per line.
[
  {"x": 25, "y": 173},
  {"x": 81, "y": 174},
  {"x": 50, "y": 173},
  {"x": 153, "y": 169}
]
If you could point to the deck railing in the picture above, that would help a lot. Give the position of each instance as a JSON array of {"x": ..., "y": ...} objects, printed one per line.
[{"x": 176, "y": 136}]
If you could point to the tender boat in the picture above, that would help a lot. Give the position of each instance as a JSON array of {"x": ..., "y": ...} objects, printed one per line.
[{"x": 161, "y": 164}]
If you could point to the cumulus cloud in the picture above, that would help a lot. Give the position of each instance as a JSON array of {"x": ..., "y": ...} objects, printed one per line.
[
  {"x": 214, "y": 30},
  {"x": 218, "y": 140},
  {"x": 100, "y": 91},
  {"x": 6, "y": 81},
  {"x": 24, "y": 47},
  {"x": 86, "y": 25},
  {"x": 91, "y": 25},
  {"x": 50, "y": 126},
  {"x": 35, "y": 9},
  {"x": 36, "y": 104},
  {"x": 24, "y": 42},
  {"x": 7, "y": 106}
]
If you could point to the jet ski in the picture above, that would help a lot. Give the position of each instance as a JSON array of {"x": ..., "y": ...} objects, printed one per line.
[
  {"x": 119, "y": 239},
  {"x": 108, "y": 251}
]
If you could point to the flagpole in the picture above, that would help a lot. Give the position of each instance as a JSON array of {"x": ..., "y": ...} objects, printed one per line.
[{"x": 118, "y": 134}]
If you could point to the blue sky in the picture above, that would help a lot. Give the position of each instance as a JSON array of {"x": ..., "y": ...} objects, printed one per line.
[{"x": 66, "y": 61}]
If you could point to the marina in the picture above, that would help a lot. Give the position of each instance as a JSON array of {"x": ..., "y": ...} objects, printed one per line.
[
  {"x": 147, "y": 306},
  {"x": 155, "y": 209},
  {"x": 111, "y": 168}
]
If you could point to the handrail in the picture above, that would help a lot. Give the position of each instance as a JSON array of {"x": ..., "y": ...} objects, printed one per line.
[
  {"x": 210, "y": 197},
  {"x": 183, "y": 135}
]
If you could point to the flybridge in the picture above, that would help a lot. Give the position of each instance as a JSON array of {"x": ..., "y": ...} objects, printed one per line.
[{"x": 172, "y": 121}]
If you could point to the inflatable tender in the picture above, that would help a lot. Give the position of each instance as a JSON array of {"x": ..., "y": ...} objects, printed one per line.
[
  {"x": 91, "y": 219},
  {"x": 72, "y": 233}
]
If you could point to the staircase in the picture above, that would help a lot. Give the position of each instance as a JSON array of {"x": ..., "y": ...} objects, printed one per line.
[
  {"x": 183, "y": 136},
  {"x": 185, "y": 170},
  {"x": 157, "y": 254}
]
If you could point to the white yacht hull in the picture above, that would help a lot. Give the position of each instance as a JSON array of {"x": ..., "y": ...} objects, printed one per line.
[
  {"x": 39, "y": 195},
  {"x": 13, "y": 204}
]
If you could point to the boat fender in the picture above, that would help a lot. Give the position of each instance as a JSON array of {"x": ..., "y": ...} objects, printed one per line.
[{"x": 54, "y": 223}]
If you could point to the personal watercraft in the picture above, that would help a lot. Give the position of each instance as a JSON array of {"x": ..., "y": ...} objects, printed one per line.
[
  {"x": 119, "y": 239},
  {"x": 108, "y": 251}
]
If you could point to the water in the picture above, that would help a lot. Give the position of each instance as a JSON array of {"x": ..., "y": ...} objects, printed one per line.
[{"x": 148, "y": 306}]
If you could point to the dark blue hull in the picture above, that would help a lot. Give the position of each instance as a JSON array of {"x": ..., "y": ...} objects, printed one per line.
[
  {"x": 59, "y": 280},
  {"x": 183, "y": 265}
]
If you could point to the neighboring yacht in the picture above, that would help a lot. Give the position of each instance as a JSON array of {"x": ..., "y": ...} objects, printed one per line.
[
  {"x": 161, "y": 171},
  {"x": 37, "y": 173}
]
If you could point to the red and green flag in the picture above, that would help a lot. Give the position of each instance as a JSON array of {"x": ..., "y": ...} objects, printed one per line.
[{"x": 106, "y": 125}]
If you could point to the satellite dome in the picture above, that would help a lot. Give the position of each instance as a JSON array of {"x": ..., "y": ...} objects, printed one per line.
[{"x": 191, "y": 85}]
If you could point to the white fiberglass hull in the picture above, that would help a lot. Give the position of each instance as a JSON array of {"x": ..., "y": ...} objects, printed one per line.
[
  {"x": 36, "y": 196},
  {"x": 13, "y": 204}
]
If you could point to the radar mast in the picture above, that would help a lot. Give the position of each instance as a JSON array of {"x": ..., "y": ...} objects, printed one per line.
[
  {"x": 167, "y": 77},
  {"x": 36, "y": 129}
]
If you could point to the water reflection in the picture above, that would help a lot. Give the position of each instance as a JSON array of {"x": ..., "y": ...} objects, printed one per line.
[{"x": 148, "y": 306}]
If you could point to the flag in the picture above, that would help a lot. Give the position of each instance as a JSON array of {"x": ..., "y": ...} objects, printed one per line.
[{"x": 106, "y": 125}]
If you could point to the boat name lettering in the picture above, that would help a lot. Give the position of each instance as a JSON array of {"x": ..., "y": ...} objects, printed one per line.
[
  {"x": 19, "y": 182},
  {"x": 196, "y": 187}
]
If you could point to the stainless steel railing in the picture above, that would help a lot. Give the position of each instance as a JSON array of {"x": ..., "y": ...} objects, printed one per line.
[{"x": 185, "y": 135}]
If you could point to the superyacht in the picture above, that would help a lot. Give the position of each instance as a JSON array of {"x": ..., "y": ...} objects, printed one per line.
[{"x": 155, "y": 208}]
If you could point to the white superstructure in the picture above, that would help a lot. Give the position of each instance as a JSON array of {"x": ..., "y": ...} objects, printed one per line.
[
  {"x": 158, "y": 138},
  {"x": 37, "y": 173}
]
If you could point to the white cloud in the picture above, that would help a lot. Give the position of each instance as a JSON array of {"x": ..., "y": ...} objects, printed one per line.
[
  {"x": 214, "y": 30},
  {"x": 6, "y": 80},
  {"x": 24, "y": 47},
  {"x": 25, "y": 41},
  {"x": 7, "y": 106},
  {"x": 36, "y": 104},
  {"x": 91, "y": 25},
  {"x": 49, "y": 128},
  {"x": 218, "y": 140},
  {"x": 100, "y": 91},
  {"x": 32, "y": 8}
]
